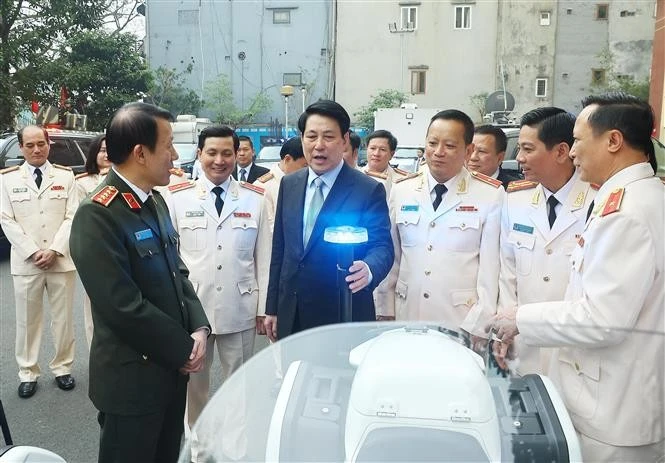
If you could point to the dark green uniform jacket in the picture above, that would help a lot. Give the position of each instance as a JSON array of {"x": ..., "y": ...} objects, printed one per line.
[{"x": 143, "y": 306}]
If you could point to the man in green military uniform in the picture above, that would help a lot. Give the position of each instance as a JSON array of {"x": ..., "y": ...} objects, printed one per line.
[{"x": 150, "y": 329}]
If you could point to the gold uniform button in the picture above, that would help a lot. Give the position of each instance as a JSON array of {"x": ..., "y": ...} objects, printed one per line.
[
  {"x": 462, "y": 226},
  {"x": 144, "y": 357},
  {"x": 548, "y": 251},
  {"x": 219, "y": 288},
  {"x": 546, "y": 279},
  {"x": 219, "y": 246},
  {"x": 219, "y": 267},
  {"x": 429, "y": 247},
  {"x": 173, "y": 274},
  {"x": 426, "y": 295},
  {"x": 427, "y": 272},
  {"x": 469, "y": 302},
  {"x": 432, "y": 224},
  {"x": 219, "y": 227}
]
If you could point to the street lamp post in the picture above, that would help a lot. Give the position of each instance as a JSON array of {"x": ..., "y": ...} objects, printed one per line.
[
  {"x": 345, "y": 238},
  {"x": 286, "y": 91}
]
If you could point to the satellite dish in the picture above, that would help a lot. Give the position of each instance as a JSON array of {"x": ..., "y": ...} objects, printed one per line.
[
  {"x": 497, "y": 102},
  {"x": 47, "y": 115}
]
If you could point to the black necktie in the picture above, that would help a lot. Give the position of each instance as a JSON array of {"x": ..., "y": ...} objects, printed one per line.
[
  {"x": 551, "y": 215},
  {"x": 151, "y": 206},
  {"x": 243, "y": 177},
  {"x": 440, "y": 190},
  {"x": 38, "y": 177},
  {"x": 219, "y": 204},
  {"x": 588, "y": 212}
]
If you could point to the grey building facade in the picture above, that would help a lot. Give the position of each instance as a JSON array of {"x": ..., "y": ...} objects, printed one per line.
[{"x": 259, "y": 45}]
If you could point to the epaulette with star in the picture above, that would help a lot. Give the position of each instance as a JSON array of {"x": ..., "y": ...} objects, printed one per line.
[
  {"x": 401, "y": 171},
  {"x": 181, "y": 186},
  {"x": 410, "y": 176},
  {"x": 58, "y": 166},
  {"x": 9, "y": 169},
  {"x": 177, "y": 171},
  {"x": 84, "y": 174},
  {"x": 613, "y": 202},
  {"x": 519, "y": 185},
  {"x": 486, "y": 179},
  {"x": 252, "y": 187},
  {"x": 376, "y": 174},
  {"x": 105, "y": 195},
  {"x": 266, "y": 177}
]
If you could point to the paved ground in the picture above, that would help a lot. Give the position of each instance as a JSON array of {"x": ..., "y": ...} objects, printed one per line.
[{"x": 63, "y": 422}]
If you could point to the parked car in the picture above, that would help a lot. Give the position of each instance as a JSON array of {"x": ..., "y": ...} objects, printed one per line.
[{"x": 268, "y": 156}]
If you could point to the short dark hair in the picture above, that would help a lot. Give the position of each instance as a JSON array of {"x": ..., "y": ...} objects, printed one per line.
[
  {"x": 292, "y": 147},
  {"x": 355, "y": 140},
  {"x": 392, "y": 141},
  {"x": 91, "y": 165},
  {"x": 19, "y": 134},
  {"x": 327, "y": 108},
  {"x": 629, "y": 115},
  {"x": 133, "y": 124},
  {"x": 554, "y": 125},
  {"x": 218, "y": 131},
  {"x": 500, "y": 139},
  {"x": 459, "y": 116},
  {"x": 247, "y": 139}
]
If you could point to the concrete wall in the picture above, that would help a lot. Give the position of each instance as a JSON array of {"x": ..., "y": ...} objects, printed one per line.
[
  {"x": 220, "y": 30},
  {"x": 527, "y": 50},
  {"x": 369, "y": 58}
]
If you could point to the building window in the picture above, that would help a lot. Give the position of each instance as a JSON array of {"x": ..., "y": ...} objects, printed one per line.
[
  {"x": 569, "y": 11},
  {"x": 626, "y": 13},
  {"x": 545, "y": 17},
  {"x": 188, "y": 17},
  {"x": 281, "y": 16},
  {"x": 598, "y": 77},
  {"x": 418, "y": 81},
  {"x": 409, "y": 18},
  {"x": 292, "y": 78},
  {"x": 541, "y": 88},
  {"x": 463, "y": 17},
  {"x": 602, "y": 11}
]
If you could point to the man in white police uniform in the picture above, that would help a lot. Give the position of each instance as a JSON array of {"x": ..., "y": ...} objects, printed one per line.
[
  {"x": 445, "y": 223},
  {"x": 542, "y": 218},
  {"x": 225, "y": 243},
  {"x": 612, "y": 382}
]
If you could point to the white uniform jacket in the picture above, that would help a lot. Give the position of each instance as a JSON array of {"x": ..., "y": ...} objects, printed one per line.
[
  {"x": 228, "y": 256},
  {"x": 35, "y": 219},
  {"x": 86, "y": 184},
  {"x": 270, "y": 183},
  {"x": 446, "y": 262},
  {"x": 611, "y": 381},
  {"x": 535, "y": 260},
  {"x": 386, "y": 178}
]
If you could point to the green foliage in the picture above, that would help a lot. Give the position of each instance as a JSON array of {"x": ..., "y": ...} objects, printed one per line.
[
  {"x": 101, "y": 70},
  {"x": 384, "y": 99},
  {"x": 619, "y": 82},
  {"x": 218, "y": 98},
  {"x": 31, "y": 32},
  {"x": 478, "y": 101},
  {"x": 168, "y": 91}
]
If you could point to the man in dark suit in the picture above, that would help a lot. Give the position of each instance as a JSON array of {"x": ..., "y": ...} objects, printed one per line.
[
  {"x": 302, "y": 291},
  {"x": 246, "y": 170},
  {"x": 490, "y": 144},
  {"x": 150, "y": 329}
]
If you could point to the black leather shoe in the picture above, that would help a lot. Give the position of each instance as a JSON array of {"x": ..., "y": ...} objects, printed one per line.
[
  {"x": 27, "y": 389},
  {"x": 65, "y": 382}
]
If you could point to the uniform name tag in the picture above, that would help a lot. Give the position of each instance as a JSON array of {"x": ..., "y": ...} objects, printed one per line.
[
  {"x": 523, "y": 228},
  {"x": 410, "y": 208},
  {"x": 57, "y": 187},
  {"x": 19, "y": 190},
  {"x": 242, "y": 214},
  {"x": 194, "y": 214},
  {"x": 143, "y": 234}
]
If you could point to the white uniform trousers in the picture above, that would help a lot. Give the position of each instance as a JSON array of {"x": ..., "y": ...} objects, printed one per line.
[
  {"x": 87, "y": 319},
  {"x": 596, "y": 451},
  {"x": 29, "y": 299},
  {"x": 233, "y": 349}
]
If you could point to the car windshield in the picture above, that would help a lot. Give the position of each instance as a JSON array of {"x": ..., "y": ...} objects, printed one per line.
[
  {"x": 269, "y": 153},
  {"x": 390, "y": 391},
  {"x": 406, "y": 153}
]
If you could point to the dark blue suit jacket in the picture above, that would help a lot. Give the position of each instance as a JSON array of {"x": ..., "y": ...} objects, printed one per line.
[{"x": 304, "y": 281}]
